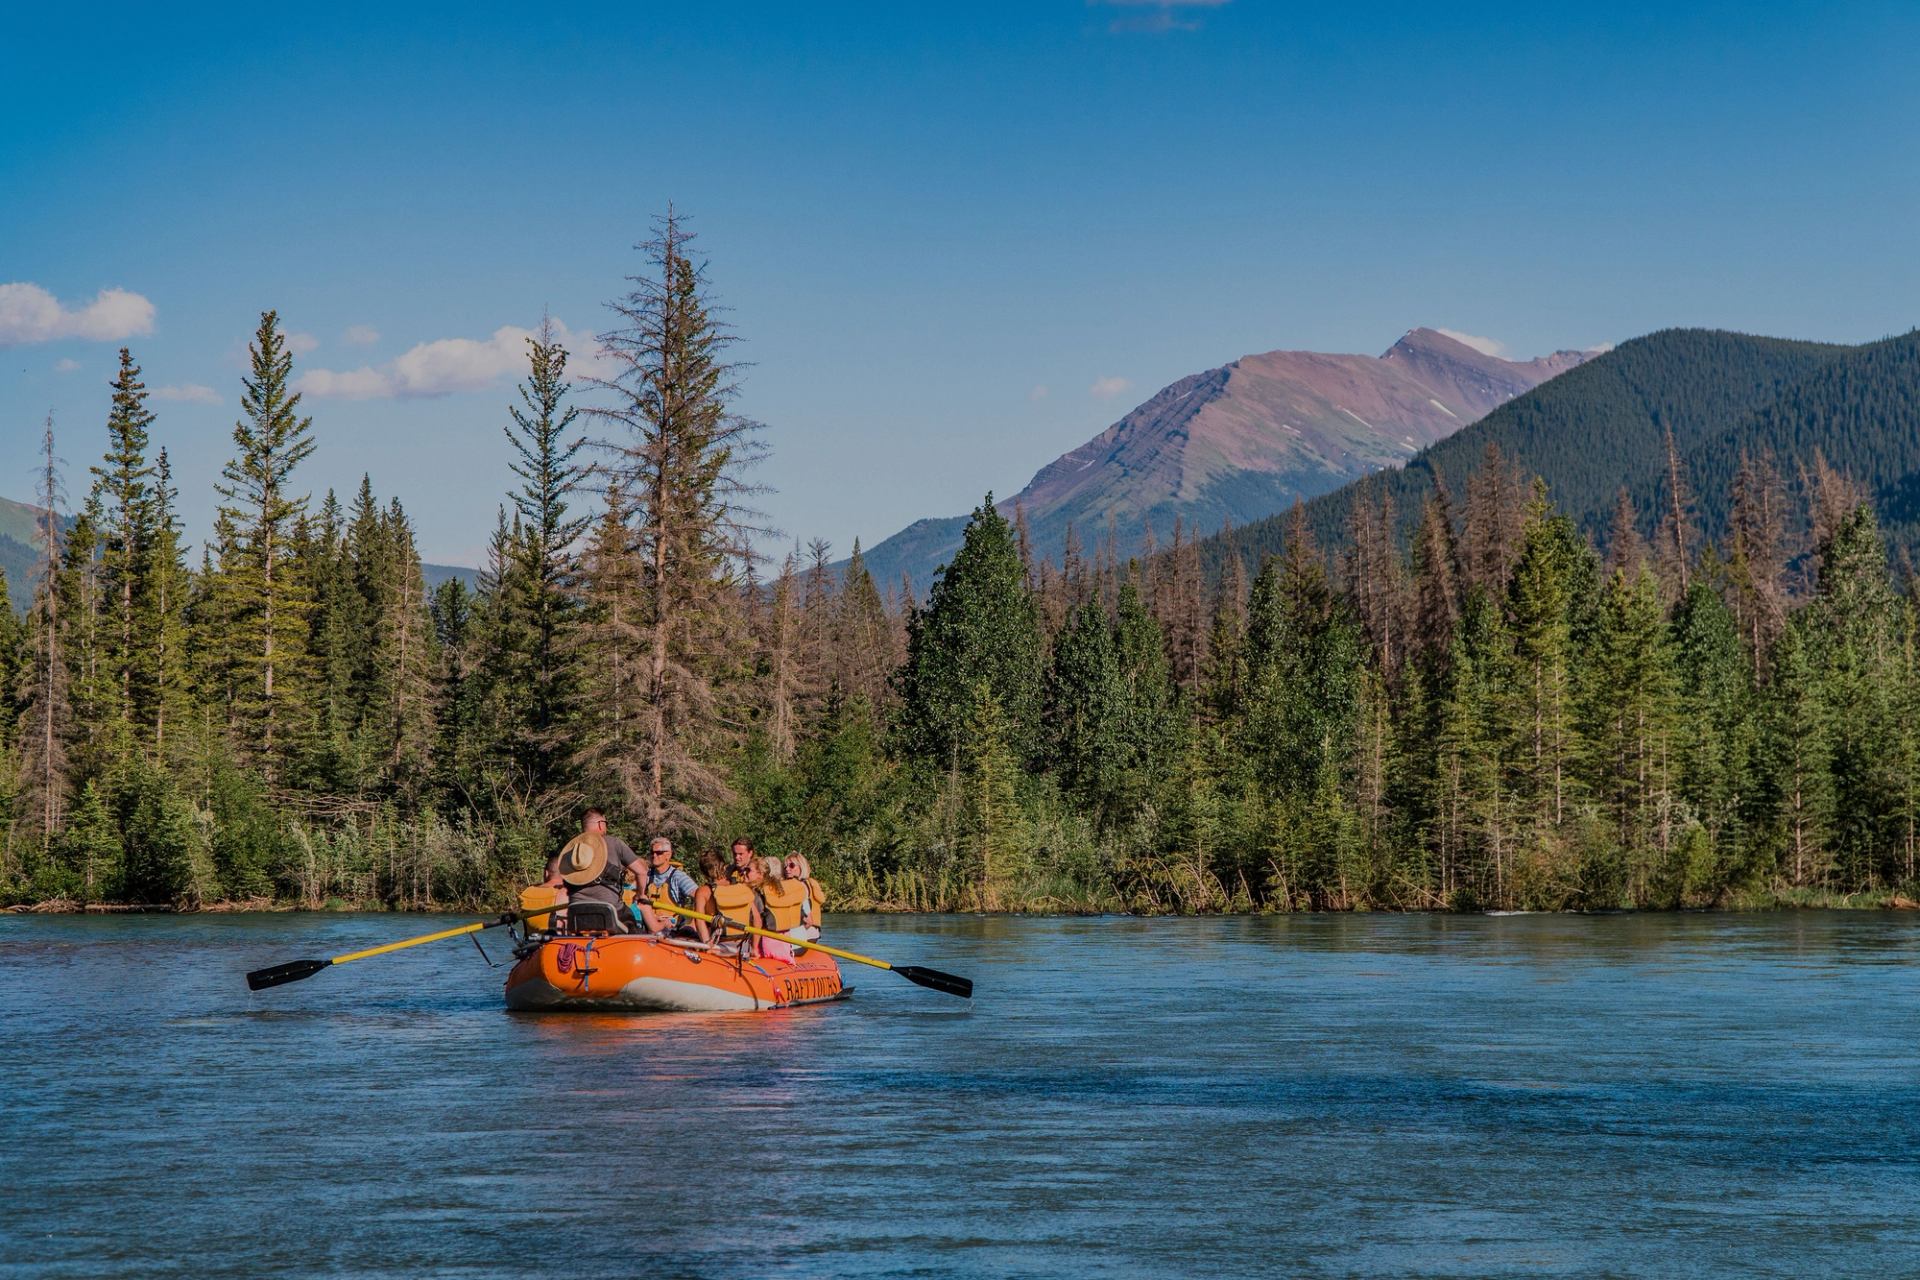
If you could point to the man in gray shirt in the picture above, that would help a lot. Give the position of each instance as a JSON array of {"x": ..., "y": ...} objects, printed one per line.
[{"x": 622, "y": 865}]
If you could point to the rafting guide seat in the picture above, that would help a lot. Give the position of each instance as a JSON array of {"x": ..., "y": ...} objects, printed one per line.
[{"x": 594, "y": 917}]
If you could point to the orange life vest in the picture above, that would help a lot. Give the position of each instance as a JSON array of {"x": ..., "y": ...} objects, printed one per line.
[
  {"x": 816, "y": 901},
  {"x": 782, "y": 902},
  {"x": 734, "y": 901}
]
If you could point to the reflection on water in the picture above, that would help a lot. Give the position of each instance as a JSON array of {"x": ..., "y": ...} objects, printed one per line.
[{"x": 1336, "y": 1095}]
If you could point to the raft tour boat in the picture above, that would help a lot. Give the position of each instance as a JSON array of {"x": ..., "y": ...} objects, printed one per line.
[
  {"x": 583, "y": 962},
  {"x": 582, "y": 956}
]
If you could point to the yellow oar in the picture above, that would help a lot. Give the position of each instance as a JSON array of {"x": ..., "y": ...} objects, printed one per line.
[
  {"x": 295, "y": 970},
  {"x": 952, "y": 984}
]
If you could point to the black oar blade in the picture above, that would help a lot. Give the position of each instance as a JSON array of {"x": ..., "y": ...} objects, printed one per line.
[
  {"x": 292, "y": 971},
  {"x": 951, "y": 983}
]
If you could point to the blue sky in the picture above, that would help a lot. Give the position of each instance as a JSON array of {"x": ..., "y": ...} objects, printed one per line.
[{"x": 957, "y": 239}]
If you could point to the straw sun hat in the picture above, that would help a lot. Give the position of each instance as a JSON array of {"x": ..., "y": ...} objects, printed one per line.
[{"x": 583, "y": 858}]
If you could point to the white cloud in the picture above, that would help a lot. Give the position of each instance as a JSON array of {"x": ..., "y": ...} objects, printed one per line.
[
  {"x": 1108, "y": 388},
  {"x": 1599, "y": 349},
  {"x": 1039, "y": 393},
  {"x": 187, "y": 393},
  {"x": 66, "y": 364},
  {"x": 448, "y": 365},
  {"x": 301, "y": 343},
  {"x": 29, "y": 313},
  {"x": 1485, "y": 346},
  {"x": 361, "y": 335}
]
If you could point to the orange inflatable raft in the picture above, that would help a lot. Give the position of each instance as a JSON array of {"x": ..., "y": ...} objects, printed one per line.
[{"x": 622, "y": 971}]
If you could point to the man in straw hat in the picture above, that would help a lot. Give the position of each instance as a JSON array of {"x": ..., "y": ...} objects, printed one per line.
[{"x": 594, "y": 866}]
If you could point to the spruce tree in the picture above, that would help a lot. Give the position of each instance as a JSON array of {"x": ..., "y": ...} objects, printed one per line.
[
  {"x": 1627, "y": 710},
  {"x": 1716, "y": 731},
  {"x": 1553, "y": 565},
  {"x": 1085, "y": 711},
  {"x": 550, "y": 474},
  {"x": 162, "y": 625},
  {"x": 862, "y": 654},
  {"x": 979, "y": 630},
  {"x": 127, "y": 534},
  {"x": 269, "y": 603},
  {"x": 1796, "y": 745},
  {"x": 1858, "y": 619}
]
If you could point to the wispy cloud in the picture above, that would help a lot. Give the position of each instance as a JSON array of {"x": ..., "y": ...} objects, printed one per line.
[
  {"x": 29, "y": 314},
  {"x": 1039, "y": 393},
  {"x": 360, "y": 335},
  {"x": 301, "y": 344},
  {"x": 1108, "y": 388},
  {"x": 1485, "y": 346},
  {"x": 1156, "y": 17},
  {"x": 66, "y": 364},
  {"x": 187, "y": 393},
  {"x": 448, "y": 365}
]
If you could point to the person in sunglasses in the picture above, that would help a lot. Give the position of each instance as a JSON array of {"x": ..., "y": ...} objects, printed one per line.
[
  {"x": 666, "y": 882},
  {"x": 813, "y": 905}
]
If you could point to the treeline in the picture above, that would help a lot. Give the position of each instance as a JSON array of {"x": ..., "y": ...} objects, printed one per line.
[{"x": 1489, "y": 713}]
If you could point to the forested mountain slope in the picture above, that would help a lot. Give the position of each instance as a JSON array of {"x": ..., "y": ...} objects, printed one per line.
[{"x": 1603, "y": 426}]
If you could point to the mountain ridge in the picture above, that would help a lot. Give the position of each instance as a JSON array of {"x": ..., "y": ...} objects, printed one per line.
[
  {"x": 1241, "y": 441},
  {"x": 1603, "y": 426}
]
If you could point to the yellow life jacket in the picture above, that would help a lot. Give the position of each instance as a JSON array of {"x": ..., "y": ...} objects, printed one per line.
[
  {"x": 734, "y": 901},
  {"x": 535, "y": 897},
  {"x": 782, "y": 902},
  {"x": 657, "y": 893}
]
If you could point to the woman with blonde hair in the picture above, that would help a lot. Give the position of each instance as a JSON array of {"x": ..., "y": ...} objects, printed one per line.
[
  {"x": 782, "y": 903},
  {"x": 811, "y": 917}
]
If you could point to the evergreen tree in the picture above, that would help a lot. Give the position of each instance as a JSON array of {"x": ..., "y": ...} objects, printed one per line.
[
  {"x": 1717, "y": 734},
  {"x": 979, "y": 630},
  {"x": 1554, "y": 565},
  {"x": 550, "y": 475},
  {"x": 269, "y": 603},
  {"x": 1857, "y": 618},
  {"x": 94, "y": 694},
  {"x": 162, "y": 623},
  {"x": 996, "y": 826},
  {"x": 861, "y": 652},
  {"x": 1797, "y": 746},
  {"x": 127, "y": 536},
  {"x": 1085, "y": 711},
  {"x": 1627, "y": 711},
  {"x": 1436, "y": 581}
]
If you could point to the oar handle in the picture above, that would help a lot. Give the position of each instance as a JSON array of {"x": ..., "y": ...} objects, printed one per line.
[
  {"x": 777, "y": 937},
  {"x": 414, "y": 942}
]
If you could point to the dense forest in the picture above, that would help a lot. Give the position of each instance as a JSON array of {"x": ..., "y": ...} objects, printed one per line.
[{"x": 1446, "y": 709}]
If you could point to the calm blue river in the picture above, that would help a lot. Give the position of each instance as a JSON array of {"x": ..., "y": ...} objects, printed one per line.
[{"x": 1326, "y": 1096}]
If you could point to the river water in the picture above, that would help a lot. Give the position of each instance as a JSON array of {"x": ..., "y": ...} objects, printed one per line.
[{"x": 1340, "y": 1096}]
